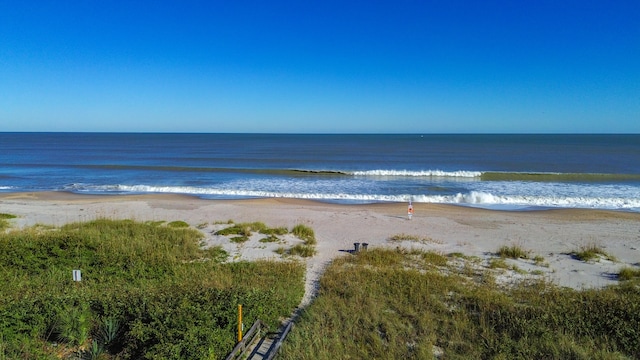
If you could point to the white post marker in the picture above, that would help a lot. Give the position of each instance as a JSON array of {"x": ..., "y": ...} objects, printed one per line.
[
  {"x": 410, "y": 210},
  {"x": 77, "y": 276}
]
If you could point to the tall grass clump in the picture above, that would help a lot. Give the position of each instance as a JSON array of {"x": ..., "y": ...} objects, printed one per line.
[
  {"x": 384, "y": 304},
  {"x": 302, "y": 250},
  {"x": 304, "y": 233},
  {"x": 591, "y": 252},
  {"x": 629, "y": 273},
  {"x": 147, "y": 291},
  {"x": 513, "y": 252}
]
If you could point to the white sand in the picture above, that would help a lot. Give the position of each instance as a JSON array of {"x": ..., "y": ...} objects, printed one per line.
[{"x": 551, "y": 234}]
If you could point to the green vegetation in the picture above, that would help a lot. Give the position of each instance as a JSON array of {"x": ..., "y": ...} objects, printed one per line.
[
  {"x": 302, "y": 250},
  {"x": 498, "y": 263},
  {"x": 275, "y": 231},
  {"x": 405, "y": 237},
  {"x": 223, "y": 222},
  {"x": 414, "y": 238},
  {"x": 155, "y": 223},
  {"x": 4, "y": 223},
  {"x": 147, "y": 291},
  {"x": 434, "y": 258},
  {"x": 245, "y": 230},
  {"x": 270, "y": 239},
  {"x": 239, "y": 239},
  {"x": 629, "y": 273},
  {"x": 178, "y": 224},
  {"x": 592, "y": 252},
  {"x": 539, "y": 260},
  {"x": 304, "y": 233},
  {"x": 513, "y": 252},
  {"x": 397, "y": 304}
]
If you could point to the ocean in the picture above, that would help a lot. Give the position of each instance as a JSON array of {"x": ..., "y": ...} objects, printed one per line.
[{"x": 506, "y": 172}]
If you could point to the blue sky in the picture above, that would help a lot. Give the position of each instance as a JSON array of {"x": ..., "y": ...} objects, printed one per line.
[{"x": 398, "y": 66}]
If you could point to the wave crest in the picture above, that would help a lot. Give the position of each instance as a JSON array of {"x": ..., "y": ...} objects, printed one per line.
[
  {"x": 422, "y": 173},
  {"x": 475, "y": 198}
]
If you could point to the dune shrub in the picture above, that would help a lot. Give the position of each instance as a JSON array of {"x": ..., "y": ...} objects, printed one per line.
[
  {"x": 147, "y": 291},
  {"x": 178, "y": 224}
]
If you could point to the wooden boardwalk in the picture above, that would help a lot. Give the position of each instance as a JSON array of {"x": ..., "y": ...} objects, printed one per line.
[
  {"x": 262, "y": 348},
  {"x": 258, "y": 344}
]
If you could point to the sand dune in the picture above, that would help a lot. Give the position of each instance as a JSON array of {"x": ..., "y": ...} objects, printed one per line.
[{"x": 549, "y": 234}]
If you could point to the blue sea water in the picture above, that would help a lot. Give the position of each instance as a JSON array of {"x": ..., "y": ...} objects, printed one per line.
[{"x": 494, "y": 171}]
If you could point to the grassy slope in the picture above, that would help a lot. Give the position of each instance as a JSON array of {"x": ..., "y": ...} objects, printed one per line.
[
  {"x": 394, "y": 304},
  {"x": 166, "y": 297}
]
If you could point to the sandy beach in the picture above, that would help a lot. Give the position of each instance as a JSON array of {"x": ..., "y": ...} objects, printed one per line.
[{"x": 550, "y": 234}]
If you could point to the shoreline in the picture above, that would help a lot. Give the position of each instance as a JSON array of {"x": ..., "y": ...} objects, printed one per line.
[
  {"x": 551, "y": 234},
  {"x": 74, "y": 196}
]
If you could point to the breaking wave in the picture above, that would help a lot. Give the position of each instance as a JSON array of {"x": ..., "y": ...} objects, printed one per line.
[
  {"x": 424, "y": 173},
  {"x": 474, "y": 198}
]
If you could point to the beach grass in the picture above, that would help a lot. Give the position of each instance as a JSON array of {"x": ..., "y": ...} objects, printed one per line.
[
  {"x": 304, "y": 233},
  {"x": 414, "y": 238},
  {"x": 4, "y": 220},
  {"x": 178, "y": 224},
  {"x": 244, "y": 231},
  {"x": 281, "y": 230},
  {"x": 384, "y": 304},
  {"x": 405, "y": 237},
  {"x": 513, "y": 252},
  {"x": 592, "y": 252},
  {"x": 155, "y": 223},
  {"x": 146, "y": 291},
  {"x": 270, "y": 239},
  {"x": 247, "y": 229},
  {"x": 303, "y": 250},
  {"x": 629, "y": 273},
  {"x": 498, "y": 263}
]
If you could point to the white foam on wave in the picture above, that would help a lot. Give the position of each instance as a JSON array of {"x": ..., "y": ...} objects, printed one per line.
[
  {"x": 422, "y": 173},
  {"x": 475, "y": 198},
  {"x": 488, "y": 199}
]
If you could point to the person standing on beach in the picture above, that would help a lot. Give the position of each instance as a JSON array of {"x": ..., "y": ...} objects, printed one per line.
[{"x": 410, "y": 210}]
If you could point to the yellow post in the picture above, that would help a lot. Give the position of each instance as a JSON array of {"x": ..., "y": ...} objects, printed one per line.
[{"x": 239, "y": 323}]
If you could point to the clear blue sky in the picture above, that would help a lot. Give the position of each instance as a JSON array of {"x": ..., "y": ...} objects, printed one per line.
[{"x": 441, "y": 66}]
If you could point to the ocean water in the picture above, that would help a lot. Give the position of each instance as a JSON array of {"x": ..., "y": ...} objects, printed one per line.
[{"x": 512, "y": 172}]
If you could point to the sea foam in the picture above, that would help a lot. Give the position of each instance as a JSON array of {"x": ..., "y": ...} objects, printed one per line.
[
  {"x": 475, "y": 198},
  {"x": 423, "y": 173}
]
